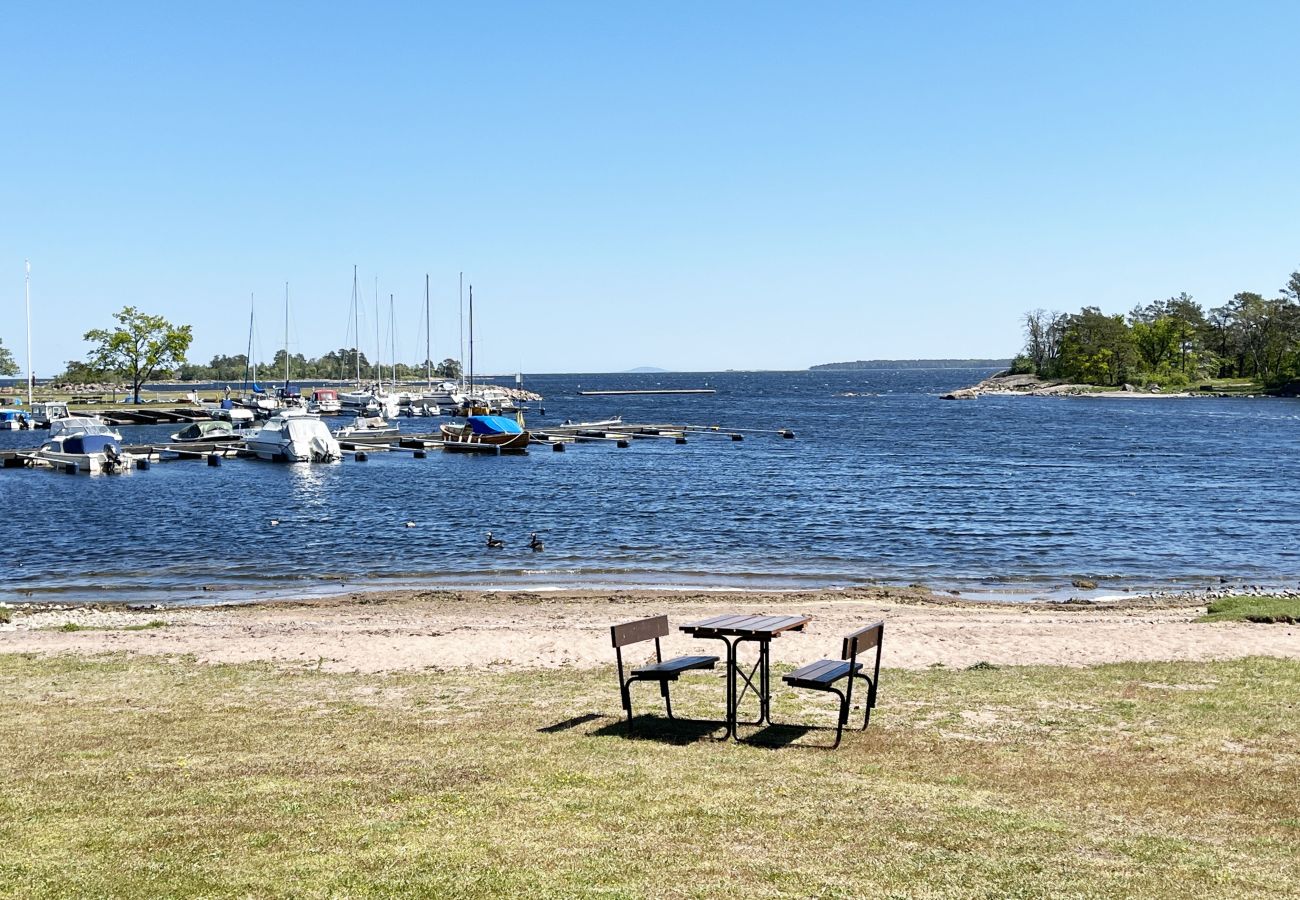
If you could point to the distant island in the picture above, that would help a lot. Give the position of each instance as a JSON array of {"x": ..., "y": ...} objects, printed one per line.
[
  {"x": 645, "y": 370},
  {"x": 915, "y": 364}
]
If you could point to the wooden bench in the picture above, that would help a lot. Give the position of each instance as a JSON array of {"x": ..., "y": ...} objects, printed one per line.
[
  {"x": 661, "y": 670},
  {"x": 825, "y": 674}
]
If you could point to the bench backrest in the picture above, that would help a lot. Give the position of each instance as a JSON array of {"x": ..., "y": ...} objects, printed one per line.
[
  {"x": 640, "y": 630},
  {"x": 863, "y": 639}
]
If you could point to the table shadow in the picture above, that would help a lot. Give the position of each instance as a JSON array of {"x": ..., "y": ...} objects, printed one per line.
[{"x": 662, "y": 730}]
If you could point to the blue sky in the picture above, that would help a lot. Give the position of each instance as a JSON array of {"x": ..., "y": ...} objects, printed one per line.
[{"x": 693, "y": 186}]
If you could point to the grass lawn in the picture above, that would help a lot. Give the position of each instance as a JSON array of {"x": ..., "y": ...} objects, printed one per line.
[
  {"x": 164, "y": 777},
  {"x": 1253, "y": 609}
]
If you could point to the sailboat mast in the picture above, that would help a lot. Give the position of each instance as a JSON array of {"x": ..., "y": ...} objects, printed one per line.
[
  {"x": 248, "y": 360},
  {"x": 471, "y": 339},
  {"x": 461, "y": 295},
  {"x": 27, "y": 295},
  {"x": 356, "y": 326},
  {"x": 379, "y": 347},
  {"x": 286, "y": 336},
  {"x": 428, "y": 328},
  {"x": 392, "y": 341}
]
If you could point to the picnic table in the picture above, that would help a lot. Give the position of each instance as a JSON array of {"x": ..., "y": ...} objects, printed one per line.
[{"x": 732, "y": 629}]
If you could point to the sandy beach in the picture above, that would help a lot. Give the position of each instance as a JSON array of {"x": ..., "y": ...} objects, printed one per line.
[{"x": 414, "y": 630}]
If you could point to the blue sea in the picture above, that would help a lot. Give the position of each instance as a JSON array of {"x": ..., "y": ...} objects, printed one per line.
[{"x": 884, "y": 483}]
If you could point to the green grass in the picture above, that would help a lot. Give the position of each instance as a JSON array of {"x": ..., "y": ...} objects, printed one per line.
[
  {"x": 1253, "y": 609},
  {"x": 76, "y": 626},
  {"x": 162, "y": 777}
]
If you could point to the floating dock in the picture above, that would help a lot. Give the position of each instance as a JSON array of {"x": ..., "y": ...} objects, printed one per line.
[{"x": 631, "y": 393}]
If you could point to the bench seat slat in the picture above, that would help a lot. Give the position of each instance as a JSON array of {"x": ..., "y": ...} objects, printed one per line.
[
  {"x": 670, "y": 668},
  {"x": 821, "y": 674}
]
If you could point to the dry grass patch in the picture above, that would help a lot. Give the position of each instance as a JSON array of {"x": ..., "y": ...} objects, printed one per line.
[{"x": 163, "y": 777}]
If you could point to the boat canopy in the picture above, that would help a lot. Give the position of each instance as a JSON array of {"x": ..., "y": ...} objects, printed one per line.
[
  {"x": 88, "y": 443},
  {"x": 8, "y": 415},
  {"x": 494, "y": 425},
  {"x": 325, "y": 394}
]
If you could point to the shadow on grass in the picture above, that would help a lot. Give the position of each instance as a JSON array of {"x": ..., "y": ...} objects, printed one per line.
[
  {"x": 570, "y": 723},
  {"x": 774, "y": 737},
  {"x": 662, "y": 730}
]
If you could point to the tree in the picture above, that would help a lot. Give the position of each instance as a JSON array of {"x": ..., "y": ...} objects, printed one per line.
[
  {"x": 78, "y": 372},
  {"x": 140, "y": 346},
  {"x": 448, "y": 369},
  {"x": 1096, "y": 348},
  {"x": 7, "y": 364}
]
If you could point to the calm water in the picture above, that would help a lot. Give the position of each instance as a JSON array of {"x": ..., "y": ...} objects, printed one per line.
[{"x": 892, "y": 485}]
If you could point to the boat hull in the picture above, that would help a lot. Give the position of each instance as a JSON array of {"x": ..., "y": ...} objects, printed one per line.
[{"x": 456, "y": 438}]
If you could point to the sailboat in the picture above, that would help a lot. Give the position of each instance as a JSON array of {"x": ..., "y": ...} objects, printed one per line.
[
  {"x": 257, "y": 400},
  {"x": 480, "y": 429}
]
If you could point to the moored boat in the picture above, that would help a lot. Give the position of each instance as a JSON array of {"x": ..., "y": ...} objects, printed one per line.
[
  {"x": 87, "y": 452},
  {"x": 485, "y": 431},
  {"x": 207, "y": 432},
  {"x": 294, "y": 436},
  {"x": 373, "y": 426},
  {"x": 325, "y": 402},
  {"x": 13, "y": 420}
]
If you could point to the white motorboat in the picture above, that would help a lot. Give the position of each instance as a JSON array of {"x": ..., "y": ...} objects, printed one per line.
[
  {"x": 375, "y": 426},
  {"x": 86, "y": 452},
  {"x": 294, "y": 436},
  {"x": 325, "y": 402},
  {"x": 82, "y": 425},
  {"x": 43, "y": 413},
  {"x": 235, "y": 415}
]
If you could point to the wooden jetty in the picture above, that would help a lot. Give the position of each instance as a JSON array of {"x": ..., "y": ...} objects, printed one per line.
[{"x": 621, "y": 434}]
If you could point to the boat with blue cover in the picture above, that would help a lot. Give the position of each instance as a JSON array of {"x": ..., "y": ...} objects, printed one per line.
[
  {"x": 13, "y": 420},
  {"x": 476, "y": 432}
]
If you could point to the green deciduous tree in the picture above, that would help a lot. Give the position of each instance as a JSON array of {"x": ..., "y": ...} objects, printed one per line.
[
  {"x": 7, "y": 364},
  {"x": 448, "y": 369},
  {"x": 140, "y": 346}
]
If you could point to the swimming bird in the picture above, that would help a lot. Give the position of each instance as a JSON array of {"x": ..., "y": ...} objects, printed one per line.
[
  {"x": 275, "y": 521},
  {"x": 535, "y": 543},
  {"x": 494, "y": 543},
  {"x": 410, "y": 524}
]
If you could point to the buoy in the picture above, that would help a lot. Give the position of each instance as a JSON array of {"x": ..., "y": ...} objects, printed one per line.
[
  {"x": 360, "y": 457},
  {"x": 214, "y": 459},
  {"x": 787, "y": 433},
  {"x": 623, "y": 445},
  {"x": 558, "y": 447}
]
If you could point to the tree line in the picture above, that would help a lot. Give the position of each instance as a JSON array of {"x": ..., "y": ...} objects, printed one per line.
[
  {"x": 1173, "y": 341},
  {"x": 142, "y": 348}
]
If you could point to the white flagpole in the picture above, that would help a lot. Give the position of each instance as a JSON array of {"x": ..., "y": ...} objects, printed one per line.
[{"x": 28, "y": 294}]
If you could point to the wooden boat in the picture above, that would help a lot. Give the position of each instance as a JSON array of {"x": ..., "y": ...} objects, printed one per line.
[{"x": 477, "y": 432}]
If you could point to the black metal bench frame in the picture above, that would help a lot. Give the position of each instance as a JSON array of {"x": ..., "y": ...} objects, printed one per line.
[
  {"x": 662, "y": 670},
  {"x": 858, "y": 642}
]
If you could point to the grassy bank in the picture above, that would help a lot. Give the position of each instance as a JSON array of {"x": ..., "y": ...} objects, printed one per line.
[
  {"x": 1264, "y": 610},
  {"x": 165, "y": 778}
]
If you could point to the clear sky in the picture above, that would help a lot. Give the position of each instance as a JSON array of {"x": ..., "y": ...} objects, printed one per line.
[{"x": 687, "y": 185}]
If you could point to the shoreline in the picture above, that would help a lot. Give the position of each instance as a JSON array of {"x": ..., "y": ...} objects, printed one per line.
[
  {"x": 386, "y": 631},
  {"x": 1004, "y": 385}
]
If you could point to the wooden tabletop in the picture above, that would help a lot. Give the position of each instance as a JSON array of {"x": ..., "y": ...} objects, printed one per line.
[{"x": 745, "y": 626}]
